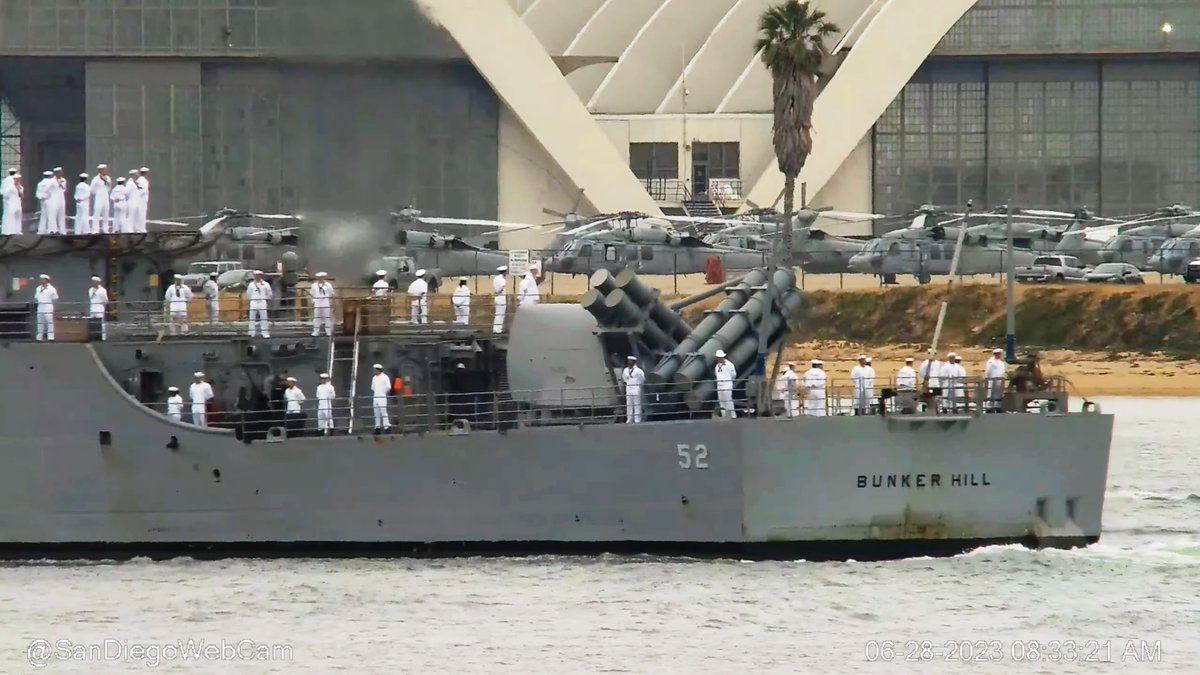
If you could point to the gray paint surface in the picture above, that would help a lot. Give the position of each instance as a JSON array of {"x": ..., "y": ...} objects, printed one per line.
[{"x": 765, "y": 479}]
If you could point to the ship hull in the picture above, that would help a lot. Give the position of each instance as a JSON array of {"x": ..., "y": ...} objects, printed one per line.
[{"x": 92, "y": 473}]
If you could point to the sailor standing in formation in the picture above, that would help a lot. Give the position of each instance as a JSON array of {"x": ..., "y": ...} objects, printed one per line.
[
  {"x": 462, "y": 302},
  {"x": 97, "y": 305},
  {"x": 101, "y": 202},
  {"x": 8, "y": 180},
  {"x": 527, "y": 292},
  {"x": 381, "y": 386},
  {"x": 634, "y": 378},
  {"x": 258, "y": 293},
  {"x": 785, "y": 391},
  {"x": 294, "y": 416},
  {"x": 212, "y": 298},
  {"x": 133, "y": 207},
  {"x": 380, "y": 289},
  {"x": 814, "y": 382},
  {"x": 417, "y": 292},
  {"x": 12, "y": 193},
  {"x": 200, "y": 393},
  {"x": 906, "y": 377},
  {"x": 174, "y": 404},
  {"x": 325, "y": 396},
  {"x": 322, "y": 303},
  {"x": 120, "y": 207},
  {"x": 42, "y": 192},
  {"x": 83, "y": 206},
  {"x": 499, "y": 299},
  {"x": 994, "y": 372},
  {"x": 58, "y": 196},
  {"x": 862, "y": 393},
  {"x": 951, "y": 377},
  {"x": 45, "y": 296},
  {"x": 178, "y": 296},
  {"x": 725, "y": 374},
  {"x": 928, "y": 376},
  {"x": 142, "y": 183}
]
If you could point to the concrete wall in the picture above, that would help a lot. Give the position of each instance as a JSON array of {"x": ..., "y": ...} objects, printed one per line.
[{"x": 529, "y": 180}]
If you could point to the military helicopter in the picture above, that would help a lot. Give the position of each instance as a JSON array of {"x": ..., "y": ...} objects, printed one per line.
[
  {"x": 625, "y": 240},
  {"x": 923, "y": 250},
  {"x": 1142, "y": 237},
  {"x": 1175, "y": 254}
]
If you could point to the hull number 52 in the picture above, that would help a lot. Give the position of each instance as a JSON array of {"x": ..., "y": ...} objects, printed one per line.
[{"x": 692, "y": 456}]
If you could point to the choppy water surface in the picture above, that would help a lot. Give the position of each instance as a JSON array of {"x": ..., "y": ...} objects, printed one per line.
[{"x": 1139, "y": 588}]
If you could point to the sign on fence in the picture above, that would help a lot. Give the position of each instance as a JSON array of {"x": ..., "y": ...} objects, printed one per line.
[{"x": 518, "y": 262}]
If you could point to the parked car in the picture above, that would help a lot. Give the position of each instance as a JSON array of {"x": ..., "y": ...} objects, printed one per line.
[
  {"x": 1052, "y": 268},
  {"x": 1191, "y": 273},
  {"x": 1115, "y": 273}
]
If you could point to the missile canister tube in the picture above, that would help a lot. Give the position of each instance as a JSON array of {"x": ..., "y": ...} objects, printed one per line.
[
  {"x": 603, "y": 280},
  {"x": 625, "y": 313},
  {"x": 641, "y": 294},
  {"x": 593, "y": 302}
]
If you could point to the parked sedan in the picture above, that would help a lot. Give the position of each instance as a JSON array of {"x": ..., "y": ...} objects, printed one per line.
[{"x": 1115, "y": 273}]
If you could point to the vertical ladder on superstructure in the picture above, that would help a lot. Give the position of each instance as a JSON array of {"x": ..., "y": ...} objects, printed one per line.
[{"x": 353, "y": 358}]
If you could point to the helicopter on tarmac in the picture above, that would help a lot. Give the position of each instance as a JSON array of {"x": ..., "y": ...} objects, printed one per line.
[
  {"x": 1175, "y": 254},
  {"x": 1142, "y": 237}
]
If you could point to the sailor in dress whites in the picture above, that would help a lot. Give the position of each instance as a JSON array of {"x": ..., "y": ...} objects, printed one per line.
[
  {"x": 174, "y": 404},
  {"x": 42, "y": 192},
  {"x": 259, "y": 293},
  {"x": 12, "y": 194},
  {"x": 8, "y": 179},
  {"x": 417, "y": 292},
  {"x": 83, "y": 206},
  {"x": 906, "y": 377},
  {"x": 177, "y": 298},
  {"x": 142, "y": 183},
  {"x": 785, "y": 391},
  {"x": 527, "y": 291},
  {"x": 294, "y": 416},
  {"x": 325, "y": 396},
  {"x": 462, "y": 302},
  {"x": 499, "y": 299},
  {"x": 380, "y": 289},
  {"x": 994, "y": 372},
  {"x": 381, "y": 386},
  {"x": 725, "y": 374},
  {"x": 869, "y": 382},
  {"x": 98, "y": 305},
  {"x": 200, "y": 393},
  {"x": 120, "y": 207},
  {"x": 858, "y": 378},
  {"x": 101, "y": 202},
  {"x": 954, "y": 383},
  {"x": 133, "y": 203},
  {"x": 58, "y": 196},
  {"x": 814, "y": 383},
  {"x": 634, "y": 379},
  {"x": 212, "y": 298},
  {"x": 45, "y": 296},
  {"x": 322, "y": 302}
]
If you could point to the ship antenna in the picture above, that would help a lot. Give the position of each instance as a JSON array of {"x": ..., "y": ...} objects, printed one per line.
[{"x": 937, "y": 331}]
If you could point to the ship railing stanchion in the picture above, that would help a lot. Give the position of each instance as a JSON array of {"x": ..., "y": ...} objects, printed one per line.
[{"x": 354, "y": 367}]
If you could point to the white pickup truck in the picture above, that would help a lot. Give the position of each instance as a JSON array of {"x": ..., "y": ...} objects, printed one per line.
[{"x": 1052, "y": 269}]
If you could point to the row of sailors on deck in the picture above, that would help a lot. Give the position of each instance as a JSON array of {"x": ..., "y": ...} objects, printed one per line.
[
  {"x": 101, "y": 207},
  {"x": 259, "y": 293},
  {"x": 791, "y": 388}
]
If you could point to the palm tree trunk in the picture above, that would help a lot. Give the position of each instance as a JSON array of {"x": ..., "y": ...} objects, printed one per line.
[{"x": 789, "y": 190}]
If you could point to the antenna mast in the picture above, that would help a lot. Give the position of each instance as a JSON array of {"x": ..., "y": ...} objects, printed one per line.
[{"x": 937, "y": 331}]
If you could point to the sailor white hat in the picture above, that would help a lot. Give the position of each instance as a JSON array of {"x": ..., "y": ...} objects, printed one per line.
[
  {"x": 257, "y": 273},
  {"x": 291, "y": 379},
  {"x": 951, "y": 355},
  {"x": 101, "y": 166},
  {"x": 213, "y": 275},
  {"x": 321, "y": 275},
  {"x": 44, "y": 276},
  {"x": 461, "y": 366},
  {"x": 197, "y": 374},
  {"x": 462, "y": 278},
  {"x": 172, "y": 388},
  {"x": 868, "y": 359},
  {"x": 121, "y": 180},
  {"x": 95, "y": 278},
  {"x": 144, "y": 169},
  {"x": 381, "y": 273},
  {"x": 997, "y": 350},
  {"x": 421, "y": 272},
  {"x": 791, "y": 364},
  {"x": 11, "y": 171},
  {"x": 83, "y": 175},
  {"x": 132, "y": 171},
  {"x": 502, "y": 268},
  {"x": 47, "y": 173},
  {"x": 861, "y": 357},
  {"x": 57, "y": 169},
  {"x": 324, "y": 376},
  {"x": 377, "y": 366},
  {"x": 631, "y": 357},
  {"x": 818, "y": 362},
  {"x": 720, "y": 353},
  {"x": 908, "y": 359}
]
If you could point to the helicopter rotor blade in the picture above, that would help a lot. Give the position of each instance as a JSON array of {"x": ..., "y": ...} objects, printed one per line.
[
  {"x": 473, "y": 221},
  {"x": 590, "y": 226}
]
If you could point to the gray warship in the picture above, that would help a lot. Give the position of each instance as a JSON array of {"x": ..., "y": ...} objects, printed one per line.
[{"x": 507, "y": 443}]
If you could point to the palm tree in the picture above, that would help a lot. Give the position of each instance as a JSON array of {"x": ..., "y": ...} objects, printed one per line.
[{"x": 792, "y": 43}]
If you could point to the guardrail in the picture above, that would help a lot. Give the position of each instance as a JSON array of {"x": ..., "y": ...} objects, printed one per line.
[
  {"x": 486, "y": 410},
  {"x": 726, "y": 192},
  {"x": 670, "y": 190}
]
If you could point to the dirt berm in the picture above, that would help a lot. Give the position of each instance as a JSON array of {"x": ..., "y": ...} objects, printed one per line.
[{"x": 1110, "y": 318}]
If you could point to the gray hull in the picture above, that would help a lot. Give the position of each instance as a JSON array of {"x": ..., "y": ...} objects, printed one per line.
[{"x": 89, "y": 472}]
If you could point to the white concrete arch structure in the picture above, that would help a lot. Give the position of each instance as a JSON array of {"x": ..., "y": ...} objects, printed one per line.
[
  {"x": 557, "y": 23},
  {"x": 610, "y": 30},
  {"x": 644, "y": 73},
  {"x": 871, "y": 77}
]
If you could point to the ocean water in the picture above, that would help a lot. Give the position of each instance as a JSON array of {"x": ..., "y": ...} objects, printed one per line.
[{"x": 1130, "y": 603}]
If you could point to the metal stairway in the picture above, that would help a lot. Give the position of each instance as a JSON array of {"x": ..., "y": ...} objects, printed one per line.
[{"x": 700, "y": 206}]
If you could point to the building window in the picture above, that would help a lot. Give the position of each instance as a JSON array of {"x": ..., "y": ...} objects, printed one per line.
[
  {"x": 654, "y": 160},
  {"x": 10, "y": 139},
  {"x": 723, "y": 159}
]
